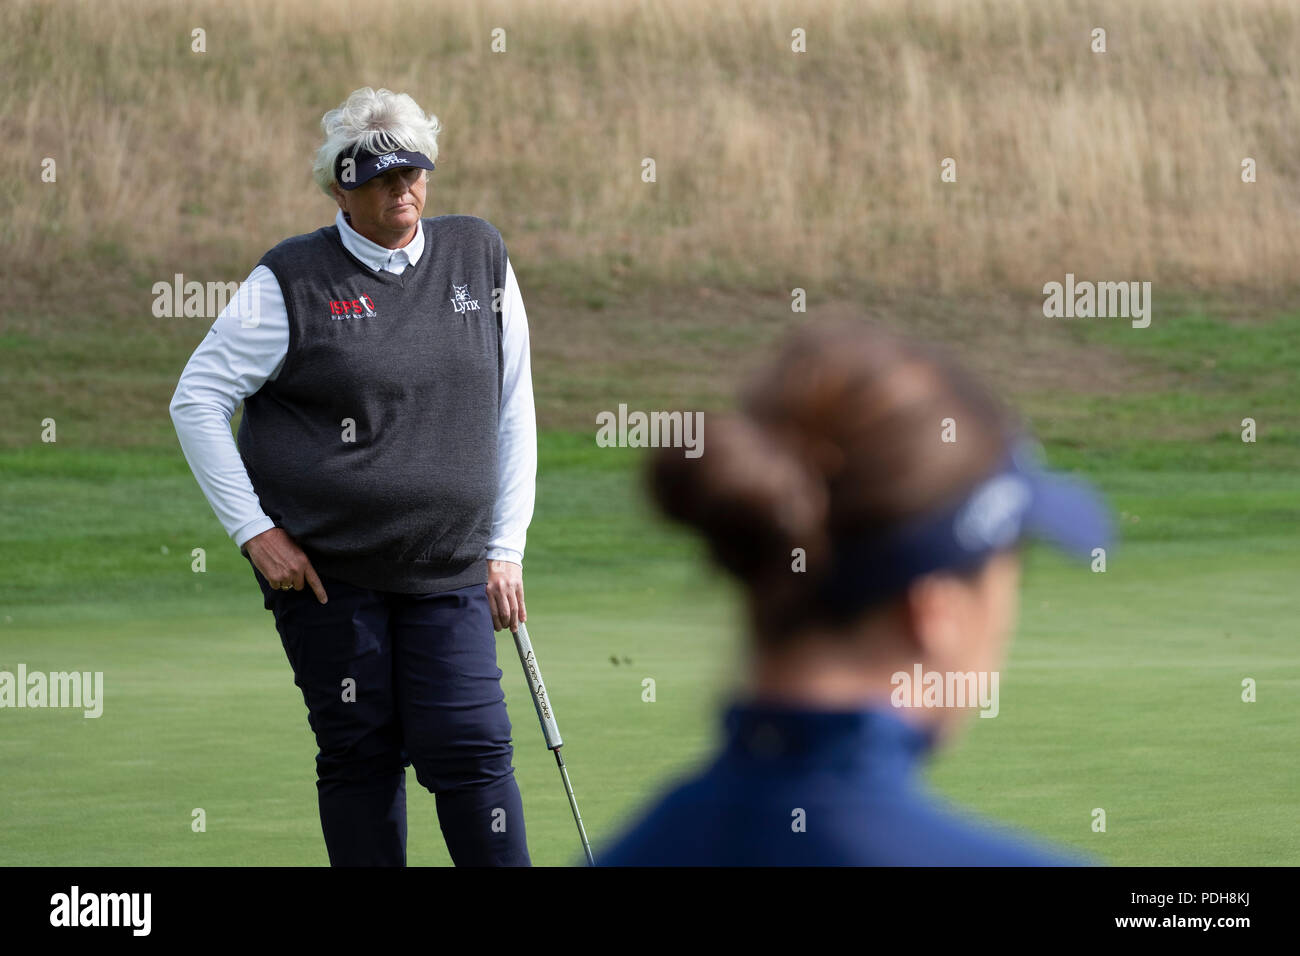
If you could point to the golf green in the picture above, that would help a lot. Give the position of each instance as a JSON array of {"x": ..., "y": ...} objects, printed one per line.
[{"x": 1122, "y": 693}]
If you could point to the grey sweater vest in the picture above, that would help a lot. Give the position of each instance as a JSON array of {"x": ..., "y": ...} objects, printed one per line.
[{"x": 375, "y": 447}]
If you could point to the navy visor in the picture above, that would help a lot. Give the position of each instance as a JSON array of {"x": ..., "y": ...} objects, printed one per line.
[
  {"x": 1020, "y": 499},
  {"x": 369, "y": 165}
]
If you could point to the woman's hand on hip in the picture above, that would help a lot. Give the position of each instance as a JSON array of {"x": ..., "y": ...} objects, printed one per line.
[{"x": 282, "y": 562}]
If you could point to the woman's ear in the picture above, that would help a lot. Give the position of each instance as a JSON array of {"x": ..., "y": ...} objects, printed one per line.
[
  {"x": 938, "y": 614},
  {"x": 340, "y": 196}
]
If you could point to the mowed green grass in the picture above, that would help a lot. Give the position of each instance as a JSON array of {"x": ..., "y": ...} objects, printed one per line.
[{"x": 1122, "y": 691}]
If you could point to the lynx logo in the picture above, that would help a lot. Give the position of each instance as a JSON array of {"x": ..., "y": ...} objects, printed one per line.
[
  {"x": 461, "y": 301},
  {"x": 391, "y": 159},
  {"x": 362, "y": 306}
]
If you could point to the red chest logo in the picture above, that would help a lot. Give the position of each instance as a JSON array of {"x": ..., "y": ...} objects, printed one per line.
[{"x": 362, "y": 306}]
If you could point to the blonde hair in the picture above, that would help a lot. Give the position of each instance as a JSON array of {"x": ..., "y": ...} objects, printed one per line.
[{"x": 376, "y": 121}]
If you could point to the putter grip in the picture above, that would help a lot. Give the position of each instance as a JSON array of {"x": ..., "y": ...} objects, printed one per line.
[{"x": 533, "y": 674}]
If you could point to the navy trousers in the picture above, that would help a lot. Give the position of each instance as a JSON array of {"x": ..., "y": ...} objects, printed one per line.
[{"x": 393, "y": 680}]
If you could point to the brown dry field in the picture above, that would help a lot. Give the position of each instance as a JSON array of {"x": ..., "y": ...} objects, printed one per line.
[{"x": 775, "y": 170}]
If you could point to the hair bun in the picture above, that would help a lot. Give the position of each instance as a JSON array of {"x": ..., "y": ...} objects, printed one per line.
[{"x": 752, "y": 496}]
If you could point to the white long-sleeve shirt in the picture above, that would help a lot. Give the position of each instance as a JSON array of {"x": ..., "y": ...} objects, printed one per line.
[{"x": 228, "y": 367}]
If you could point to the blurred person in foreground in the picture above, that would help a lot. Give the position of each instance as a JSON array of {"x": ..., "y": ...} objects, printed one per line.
[{"x": 912, "y": 548}]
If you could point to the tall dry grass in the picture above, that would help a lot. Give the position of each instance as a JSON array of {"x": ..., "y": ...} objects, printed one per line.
[{"x": 774, "y": 168}]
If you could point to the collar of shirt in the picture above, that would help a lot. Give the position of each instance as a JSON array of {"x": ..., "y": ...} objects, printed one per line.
[
  {"x": 375, "y": 255},
  {"x": 765, "y": 734}
]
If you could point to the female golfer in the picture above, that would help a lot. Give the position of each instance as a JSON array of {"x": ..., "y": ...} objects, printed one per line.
[
  {"x": 870, "y": 498},
  {"x": 382, "y": 484}
]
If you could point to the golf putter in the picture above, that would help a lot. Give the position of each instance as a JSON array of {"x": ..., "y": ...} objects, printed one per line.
[{"x": 550, "y": 730}]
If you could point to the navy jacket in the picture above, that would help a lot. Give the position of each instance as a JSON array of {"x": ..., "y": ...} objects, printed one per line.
[{"x": 855, "y": 777}]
